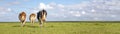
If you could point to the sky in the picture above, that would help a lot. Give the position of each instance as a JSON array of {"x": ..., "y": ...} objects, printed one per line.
[{"x": 62, "y": 10}]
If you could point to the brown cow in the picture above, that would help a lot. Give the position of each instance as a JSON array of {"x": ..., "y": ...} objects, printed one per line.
[
  {"x": 32, "y": 18},
  {"x": 22, "y": 18},
  {"x": 41, "y": 16}
]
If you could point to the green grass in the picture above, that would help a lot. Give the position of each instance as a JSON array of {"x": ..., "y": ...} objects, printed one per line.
[{"x": 85, "y": 27}]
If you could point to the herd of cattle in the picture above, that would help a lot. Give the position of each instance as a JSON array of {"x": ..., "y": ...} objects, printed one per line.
[{"x": 41, "y": 16}]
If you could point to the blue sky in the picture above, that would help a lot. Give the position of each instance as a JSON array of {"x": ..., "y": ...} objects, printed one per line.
[{"x": 62, "y": 10}]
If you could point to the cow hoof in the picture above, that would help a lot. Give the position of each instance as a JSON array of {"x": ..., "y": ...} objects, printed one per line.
[
  {"x": 41, "y": 25},
  {"x": 21, "y": 25}
]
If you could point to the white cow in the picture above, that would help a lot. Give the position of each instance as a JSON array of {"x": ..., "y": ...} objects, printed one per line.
[{"x": 32, "y": 18}]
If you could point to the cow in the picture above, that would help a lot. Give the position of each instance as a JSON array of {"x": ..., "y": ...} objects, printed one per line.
[
  {"x": 32, "y": 18},
  {"x": 22, "y": 18},
  {"x": 41, "y": 16}
]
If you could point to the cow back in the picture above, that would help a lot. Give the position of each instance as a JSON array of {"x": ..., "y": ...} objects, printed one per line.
[{"x": 22, "y": 16}]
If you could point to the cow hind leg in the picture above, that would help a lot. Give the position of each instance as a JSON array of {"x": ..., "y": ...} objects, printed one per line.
[
  {"x": 44, "y": 21},
  {"x": 23, "y": 23},
  {"x": 32, "y": 22},
  {"x": 41, "y": 23}
]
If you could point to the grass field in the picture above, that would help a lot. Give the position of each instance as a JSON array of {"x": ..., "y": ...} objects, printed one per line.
[{"x": 84, "y": 27}]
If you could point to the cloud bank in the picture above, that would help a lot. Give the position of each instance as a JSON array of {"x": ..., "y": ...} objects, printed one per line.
[{"x": 90, "y": 10}]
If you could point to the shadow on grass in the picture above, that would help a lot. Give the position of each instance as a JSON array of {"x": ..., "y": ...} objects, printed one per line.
[
  {"x": 16, "y": 26},
  {"x": 26, "y": 26},
  {"x": 31, "y": 26}
]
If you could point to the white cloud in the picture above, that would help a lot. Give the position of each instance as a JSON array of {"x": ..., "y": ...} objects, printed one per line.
[
  {"x": 93, "y": 10},
  {"x": 9, "y": 9},
  {"x": 76, "y": 14},
  {"x": 96, "y": 18},
  {"x": 44, "y": 6},
  {"x": 60, "y": 6},
  {"x": 88, "y": 10},
  {"x": 113, "y": 16},
  {"x": 35, "y": 11},
  {"x": 71, "y": 12},
  {"x": 4, "y": 11},
  {"x": 83, "y": 12},
  {"x": 54, "y": 15},
  {"x": 51, "y": 6}
]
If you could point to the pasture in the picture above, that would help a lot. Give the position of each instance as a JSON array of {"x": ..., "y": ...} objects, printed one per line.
[{"x": 65, "y": 27}]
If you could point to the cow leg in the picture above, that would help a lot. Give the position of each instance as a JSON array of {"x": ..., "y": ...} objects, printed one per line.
[
  {"x": 44, "y": 21},
  {"x": 41, "y": 23},
  {"x": 23, "y": 23},
  {"x": 32, "y": 22}
]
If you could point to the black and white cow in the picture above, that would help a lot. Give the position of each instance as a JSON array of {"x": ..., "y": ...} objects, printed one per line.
[{"x": 41, "y": 16}]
